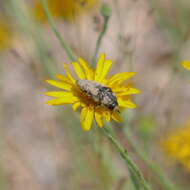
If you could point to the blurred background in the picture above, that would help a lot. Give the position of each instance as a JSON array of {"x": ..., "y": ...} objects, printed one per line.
[{"x": 44, "y": 147}]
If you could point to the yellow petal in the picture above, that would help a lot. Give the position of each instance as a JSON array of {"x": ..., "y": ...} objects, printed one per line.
[
  {"x": 106, "y": 68},
  {"x": 107, "y": 115},
  {"x": 104, "y": 82},
  {"x": 75, "y": 106},
  {"x": 186, "y": 64},
  {"x": 128, "y": 91},
  {"x": 132, "y": 91},
  {"x": 120, "y": 77},
  {"x": 63, "y": 78},
  {"x": 99, "y": 67},
  {"x": 58, "y": 94},
  {"x": 79, "y": 71},
  {"x": 86, "y": 118},
  {"x": 61, "y": 85},
  {"x": 98, "y": 117},
  {"x": 62, "y": 101},
  {"x": 116, "y": 116},
  {"x": 87, "y": 69},
  {"x": 68, "y": 73},
  {"x": 83, "y": 114},
  {"x": 126, "y": 103}
]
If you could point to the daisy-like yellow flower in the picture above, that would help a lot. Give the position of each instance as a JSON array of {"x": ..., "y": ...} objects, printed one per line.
[
  {"x": 5, "y": 34},
  {"x": 177, "y": 145},
  {"x": 186, "y": 64},
  {"x": 90, "y": 108},
  {"x": 67, "y": 9}
]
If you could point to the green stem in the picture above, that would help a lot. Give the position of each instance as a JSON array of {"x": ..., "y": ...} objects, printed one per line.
[
  {"x": 99, "y": 41},
  {"x": 124, "y": 154},
  {"x": 164, "y": 181},
  {"x": 133, "y": 179},
  {"x": 25, "y": 24},
  {"x": 57, "y": 33}
]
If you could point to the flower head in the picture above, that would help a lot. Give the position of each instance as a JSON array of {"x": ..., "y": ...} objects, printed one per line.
[
  {"x": 186, "y": 64},
  {"x": 67, "y": 9},
  {"x": 177, "y": 145},
  {"x": 5, "y": 34},
  {"x": 93, "y": 92}
]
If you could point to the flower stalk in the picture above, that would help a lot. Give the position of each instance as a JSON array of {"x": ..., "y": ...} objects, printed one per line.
[
  {"x": 136, "y": 175},
  {"x": 163, "y": 179},
  {"x": 65, "y": 46},
  {"x": 124, "y": 154},
  {"x": 106, "y": 13}
]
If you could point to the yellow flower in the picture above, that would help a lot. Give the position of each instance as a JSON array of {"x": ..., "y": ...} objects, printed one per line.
[
  {"x": 91, "y": 109},
  {"x": 186, "y": 64},
  {"x": 177, "y": 146},
  {"x": 5, "y": 34},
  {"x": 68, "y": 9}
]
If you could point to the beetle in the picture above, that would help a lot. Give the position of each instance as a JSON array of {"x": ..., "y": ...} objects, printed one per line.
[{"x": 100, "y": 94}]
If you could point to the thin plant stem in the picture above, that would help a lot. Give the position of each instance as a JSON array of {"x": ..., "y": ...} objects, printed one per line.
[
  {"x": 131, "y": 165},
  {"x": 124, "y": 154},
  {"x": 164, "y": 181},
  {"x": 99, "y": 41},
  {"x": 26, "y": 24},
  {"x": 66, "y": 47},
  {"x": 133, "y": 179}
]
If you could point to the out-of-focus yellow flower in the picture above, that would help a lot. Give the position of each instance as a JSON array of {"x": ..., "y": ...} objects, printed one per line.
[
  {"x": 5, "y": 34},
  {"x": 97, "y": 82},
  {"x": 186, "y": 64},
  {"x": 68, "y": 9},
  {"x": 177, "y": 146}
]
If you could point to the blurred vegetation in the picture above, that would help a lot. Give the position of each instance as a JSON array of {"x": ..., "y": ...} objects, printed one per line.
[{"x": 74, "y": 159}]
